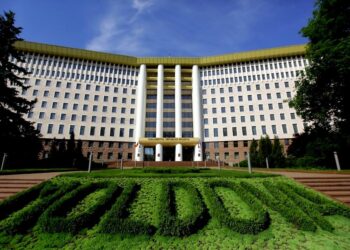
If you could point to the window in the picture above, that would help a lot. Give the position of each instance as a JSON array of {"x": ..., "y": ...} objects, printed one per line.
[
  {"x": 49, "y": 128},
  {"x": 274, "y": 130},
  {"x": 82, "y": 130},
  {"x": 102, "y": 131},
  {"x": 216, "y": 133},
  {"x": 263, "y": 129},
  {"x": 253, "y": 130},
  {"x": 92, "y": 130},
  {"x": 234, "y": 131},
  {"x": 284, "y": 128},
  {"x": 206, "y": 133},
  {"x": 295, "y": 128},
  {"x": 224, "y": 131},
  {"x": 121, "y": 132},
  {"x": 244, "y": 131},
  {"x": 60, "y": 129}
]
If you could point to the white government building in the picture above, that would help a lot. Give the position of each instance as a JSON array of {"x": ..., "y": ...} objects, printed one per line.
[{"x": 163, "y": 108}]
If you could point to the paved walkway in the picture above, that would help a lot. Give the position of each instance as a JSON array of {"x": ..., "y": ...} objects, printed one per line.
[{"x": 12, "y": 184}]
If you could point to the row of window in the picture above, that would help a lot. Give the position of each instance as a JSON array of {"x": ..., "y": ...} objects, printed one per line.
[
  {"x": 251, "y": 118},
  {"x": 241, "y": 108},
  {"x": 169, "y": 134},
  {"x": 83, "y": 118},
  {"x": 253, "y": 130},
  {"x": 169, "y": 105},
  {"x": 255, "y": 66},
  {"x": 248, "y": 97},
  {"x": 168, "y": 114},
  {"x": 62, "y": 130},
  {"x": 77, "y": 64},
  {"x": 78, "y": 86},
  {"x": 248, "y": 88}
]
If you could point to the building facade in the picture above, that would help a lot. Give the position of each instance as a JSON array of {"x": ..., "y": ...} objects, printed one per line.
[{"x": 162, "y": 108}]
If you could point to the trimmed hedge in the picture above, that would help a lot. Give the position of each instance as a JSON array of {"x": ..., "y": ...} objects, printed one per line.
[
  {"x": 117, "y": 218},
  {"x": 172, "y": 170},
  {"x": 27, "y": 217},
  {"x": 309, "y": 208},
  {"x": 284, "y": 206},
  {"x": 169, "y": 223},
  {"x": 55, "y": 219},
  {"x": 258, "y": 223},
  {"x": 19, "y": 201},
  {"x": 324, "y": 205}
]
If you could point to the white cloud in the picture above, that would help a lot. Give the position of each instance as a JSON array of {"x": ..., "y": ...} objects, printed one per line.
[{"x": 120, "y": 30}]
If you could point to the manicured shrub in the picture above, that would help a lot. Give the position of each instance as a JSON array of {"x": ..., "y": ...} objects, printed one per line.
[
  {"x": 117, "y": 219},
  {"x": 280, "y": 203},
  {"x": 172, "y": 170},
  {"x": 55, "y": 218},
  {"x": 324, "y": 205},
  {"x": 169, "y": 222},
  {"x": 27, "y": 217},
  {"x": 258, "y": 223},
  {"x": 308, "y": 207},
  {"x": 19, "y": 201}
]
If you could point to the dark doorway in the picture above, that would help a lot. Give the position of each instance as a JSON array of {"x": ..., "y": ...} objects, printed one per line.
[
  {"x": 149, "y": 153},
  {"x": 169, "y": 154},
  {"x": 187, "y": 153}
]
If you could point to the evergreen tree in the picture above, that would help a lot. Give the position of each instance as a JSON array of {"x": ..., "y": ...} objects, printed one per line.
[
  {"x": 265, "y": 149},
  {"x": 277, "y": 158},
  {"x": 17, "y": 136},
  {"x": 254, "y": 153},
  {"x": 53, "y": 149}
]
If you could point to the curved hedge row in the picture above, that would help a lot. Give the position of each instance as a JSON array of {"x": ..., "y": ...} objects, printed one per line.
[
  {"x": 169, "y": 223},
  {"x": 258, "y": 223},
  {"x": 26, "y": 217},
  {"x": 54, "y": 218},
  {"x": 325, "y": 206},
  {"x": 308, "y": 208},
  {"x": 117, "y": 219},
  {"x": 280, "y": 203}
]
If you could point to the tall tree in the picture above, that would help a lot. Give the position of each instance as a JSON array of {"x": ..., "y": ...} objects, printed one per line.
[
  {"x": 277, "y": 158},
  {"x": 265, "y": 149},
  {"x": 15, "y": 131},
  {"x": 254, "y": 153},
  {"x": 321, "y": 93}
]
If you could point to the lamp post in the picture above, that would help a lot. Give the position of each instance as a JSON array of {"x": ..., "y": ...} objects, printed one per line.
[
  {"x": 267, "y": 162},
  {"x": 336, "y": 160},
  {"x": 3, "y": 161},
  {"x": 90, "y": 160},
  {"x": 249, "y": 164}
]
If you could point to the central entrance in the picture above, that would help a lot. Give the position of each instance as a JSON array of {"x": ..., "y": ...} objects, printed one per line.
[{"x": 168, "y": 153}]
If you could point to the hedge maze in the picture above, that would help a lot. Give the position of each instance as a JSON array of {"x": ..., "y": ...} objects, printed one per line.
[{"x": 63, "y": 207}]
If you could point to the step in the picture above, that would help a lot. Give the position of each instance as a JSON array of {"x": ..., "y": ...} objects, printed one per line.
[
  {"x": 323, "y": 180},
  {"x": 345, "y": 199},
  {"x": 19, "y": 182},
  {"x": 335, "y": 188},
  {"x": 18, "y": 179},
  {"x": 11, "y": 190},
  {"x": 337, "y": 193},
  {"x": 14, "y": 185},
  {"x": 322, "y": 177},
  {"x": 325, "y": 184}
]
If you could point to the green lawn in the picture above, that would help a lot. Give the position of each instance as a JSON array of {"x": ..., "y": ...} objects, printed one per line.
[{"x": 179, "y": 209}]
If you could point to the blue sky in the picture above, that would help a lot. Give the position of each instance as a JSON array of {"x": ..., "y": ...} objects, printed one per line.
[{"x": 163, "y": 27}]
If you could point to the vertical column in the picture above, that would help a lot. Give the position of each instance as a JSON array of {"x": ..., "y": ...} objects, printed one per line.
[
  {"x": 140, "y": 112},
  {"x": 196, "y": 110},
  {"x": 159, "y": 120},
  {"x": 178, "y": 112}
]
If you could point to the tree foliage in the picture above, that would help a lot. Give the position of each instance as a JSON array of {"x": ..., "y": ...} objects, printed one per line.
[
  {"x": 17, "y": 136},
  {"x": 263, "y": 149},
  {"x": 321, "y": 96}
]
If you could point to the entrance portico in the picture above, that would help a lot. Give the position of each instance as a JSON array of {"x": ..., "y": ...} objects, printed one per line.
[{"x": 168, "y": 112}]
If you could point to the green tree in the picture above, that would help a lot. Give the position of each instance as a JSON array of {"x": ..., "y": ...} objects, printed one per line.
[
  {"x": 265, "y": 149},
  {"x": 254, "y": 153},
  {"x": 17, "y": 136},
  {"x": 321, "y": 93},
  {"x": 277, "y": 158}
]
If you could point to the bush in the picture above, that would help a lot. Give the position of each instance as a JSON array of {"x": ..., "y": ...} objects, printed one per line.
[
  {"x": 117, "y": 219},
  {"x": 54, "y": 220},
  {"x": 172, "y": 170},
  {"x": 169, "y": 223},
  {"x": 280, "y": 203},
  {"x": 309, "y": 208},
  {"x": 26, "y": 217},
  {"x": 258, "y": 223},
  {"x": 324, "y": 205}
]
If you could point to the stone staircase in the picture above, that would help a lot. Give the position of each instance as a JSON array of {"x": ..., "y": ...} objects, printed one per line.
[
  {"x": 11, "y": 186},
  {"x": 334, "y": 186}
]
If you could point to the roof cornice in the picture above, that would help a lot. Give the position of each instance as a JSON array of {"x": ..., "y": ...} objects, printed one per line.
[{"x": 293, "y": 50}]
